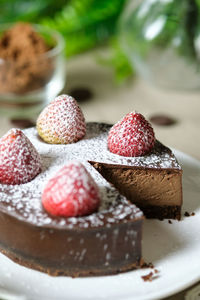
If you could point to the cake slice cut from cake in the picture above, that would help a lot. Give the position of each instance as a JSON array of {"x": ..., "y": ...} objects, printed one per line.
[
  {"x": 153, "y": 182},
  {"x": 157, "y": 192}
]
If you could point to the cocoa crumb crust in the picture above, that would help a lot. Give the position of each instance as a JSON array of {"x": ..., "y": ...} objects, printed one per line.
[
  {"x": 162, "y": 212},
  {"x": 76, "y": 273}
]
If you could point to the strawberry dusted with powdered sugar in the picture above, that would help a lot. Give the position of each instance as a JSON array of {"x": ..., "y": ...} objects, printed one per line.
[
  {"x": 71, "y": 192},
  {"x": 131, "y": 136},
  {"x": 19, "y": 160},
  {"x": 62, "y": 121}
]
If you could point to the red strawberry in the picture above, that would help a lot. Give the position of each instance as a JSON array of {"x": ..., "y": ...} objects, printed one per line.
[
  {"x": 62, "y": 121},
  {"x": 19, "y": 160},
  {"x": 71, "y": 192},
  {"x": 132, "y": 136}
]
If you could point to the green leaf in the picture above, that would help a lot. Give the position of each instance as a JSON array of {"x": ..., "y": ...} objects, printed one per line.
[{"x": 118, "y": 61}]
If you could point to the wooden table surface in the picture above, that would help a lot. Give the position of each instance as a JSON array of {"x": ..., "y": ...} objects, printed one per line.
[{"x": 111, "y": 102}]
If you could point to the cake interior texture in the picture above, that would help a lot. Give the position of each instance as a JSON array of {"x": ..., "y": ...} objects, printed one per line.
[{"x": 158, "y": 193}]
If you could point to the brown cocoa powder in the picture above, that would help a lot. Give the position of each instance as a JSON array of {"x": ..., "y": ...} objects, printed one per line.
[{"x": 24, "y": 66}]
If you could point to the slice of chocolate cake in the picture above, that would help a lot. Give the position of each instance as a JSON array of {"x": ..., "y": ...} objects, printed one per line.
[
  {"x": 141, "y": 168},
  {"x": 153, "y": 182}
]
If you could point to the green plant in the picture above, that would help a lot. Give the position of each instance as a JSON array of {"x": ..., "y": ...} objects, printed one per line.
[
  {"x": 86, "y": 23},
  {"x": 118, "y": 61}
]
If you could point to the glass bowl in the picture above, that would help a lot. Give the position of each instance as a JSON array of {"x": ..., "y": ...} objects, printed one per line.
[{"x": 26, "y": 86}]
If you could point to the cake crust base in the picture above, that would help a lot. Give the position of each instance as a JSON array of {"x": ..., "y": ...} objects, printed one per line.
[
  {"x": 162, "y": 212},
  {"x": 76, "y": 273}
]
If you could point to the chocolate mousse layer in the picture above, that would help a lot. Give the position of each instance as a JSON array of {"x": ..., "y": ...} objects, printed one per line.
[{"x": 157, "y": 192}]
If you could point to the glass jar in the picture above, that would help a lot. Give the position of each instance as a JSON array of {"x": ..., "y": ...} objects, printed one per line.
[
  {"x": 26, "y": 88},
  {"x": 162, "y": 40}
]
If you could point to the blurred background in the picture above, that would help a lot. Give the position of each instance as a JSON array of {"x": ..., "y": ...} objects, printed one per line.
[{"x": 113, "y": 56}]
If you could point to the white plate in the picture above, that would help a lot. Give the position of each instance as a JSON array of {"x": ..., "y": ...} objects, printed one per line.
[{"x": 174, "y": 249}]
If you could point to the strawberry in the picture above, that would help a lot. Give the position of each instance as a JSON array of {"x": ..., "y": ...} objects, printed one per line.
[
  {"x": 62, "y": 121},
  {"x": 19, "y": 160},
  {"x": 71, "y": 192},
  {"x": 131, "y": 136}
]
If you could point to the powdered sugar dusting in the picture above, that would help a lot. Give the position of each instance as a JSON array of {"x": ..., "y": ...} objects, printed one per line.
[
  {"x": 71, "y": 192},
  {"x": 131, "y": 136},
  {"x": 62, "y": 121},
  {"x": 26, "y": 199},
  {"x": 19, "y": 160},
  {"x": 159, "y": 157}
]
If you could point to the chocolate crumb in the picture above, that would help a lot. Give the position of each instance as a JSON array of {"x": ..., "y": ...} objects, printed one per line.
[
  {"x": 162, "y": 120},
  {"x": 152, "y": 275},
  {"x": 186, "y": 214},
  {"x": 169, "y": 221},
  {"x": 147, "y": 265},
  {"x": 151, "y": 265},
  {"x": 148, "y": 277},
  {"x": 156, "y": 271},
  {"x": 81, "y": 94}
]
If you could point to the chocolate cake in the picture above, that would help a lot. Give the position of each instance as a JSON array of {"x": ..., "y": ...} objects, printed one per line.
[{"x": 107, "y": 241}]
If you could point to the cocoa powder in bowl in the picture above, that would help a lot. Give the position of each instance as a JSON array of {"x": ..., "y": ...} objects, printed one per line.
[{"x": 23, "y": 64}]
